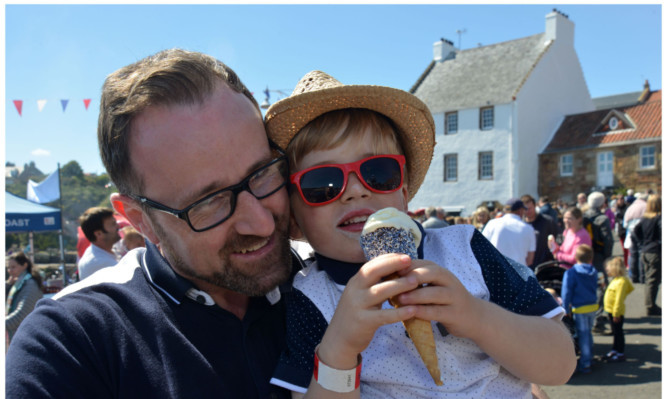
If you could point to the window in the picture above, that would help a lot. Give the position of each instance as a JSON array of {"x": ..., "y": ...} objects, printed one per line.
[
  {"x": 486, "y": 118},
  {"x": 566, "y": 165},
  {"x": 451, "y": 122},
  {"x": 647, "y": 157},
  {"x": 451, "y": 167},
  {"x": 486, "y": 165}
]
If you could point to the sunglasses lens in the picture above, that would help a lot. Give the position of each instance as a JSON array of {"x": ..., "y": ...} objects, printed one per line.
[
  {"x": 322, "y": 184},
  {"x": 382, "y": 174}
]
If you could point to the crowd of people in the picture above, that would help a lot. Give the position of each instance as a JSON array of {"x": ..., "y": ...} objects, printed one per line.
[
  {"x": 578, "y": 237},
  {"x": 217, "y": 304}
]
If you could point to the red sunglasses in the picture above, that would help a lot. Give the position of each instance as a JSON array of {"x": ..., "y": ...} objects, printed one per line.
[{"x": 323, "y": 184}]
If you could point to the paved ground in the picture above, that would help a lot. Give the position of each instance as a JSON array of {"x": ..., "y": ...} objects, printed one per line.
[{"x": 640, "y": 377}]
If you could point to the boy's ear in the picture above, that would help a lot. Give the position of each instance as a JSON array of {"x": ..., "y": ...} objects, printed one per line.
[
  {"x": 295, "y": 232},
  {"x": 404, "y": 190},
  {"x": 134, "y": 214}
]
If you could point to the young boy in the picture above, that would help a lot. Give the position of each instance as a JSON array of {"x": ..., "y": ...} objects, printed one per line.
[
  {"x": 354, "y": 150},
  {"x": 579, "y": 296}
]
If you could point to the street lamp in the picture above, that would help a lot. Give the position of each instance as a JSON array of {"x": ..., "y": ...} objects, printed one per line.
[{"x": 281, "y": 93}]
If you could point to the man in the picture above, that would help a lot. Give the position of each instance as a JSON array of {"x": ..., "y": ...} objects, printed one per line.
[
  {"x": 603, "y": 244},
  {"x": 543, "y": 225},
  {"x": 435, "y": 218},
  {"x": 101, "y": 229},
  {"x": 197, "y": 314},
  {"x": 632, "y": 215},
  {"x": 511, "y": 235},
  {"x": 619, "y": 213},
  {"x": 581, "y": 202}
]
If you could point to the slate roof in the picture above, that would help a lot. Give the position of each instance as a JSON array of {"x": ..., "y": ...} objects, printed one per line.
[
  {"x": 480, "y": 76},
  {"x": 618, "y": 100},
  {"x": 579, "y": 131}
]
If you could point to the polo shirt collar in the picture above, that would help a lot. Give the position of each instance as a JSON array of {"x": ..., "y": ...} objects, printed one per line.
[{"x": 176, "y": 287}]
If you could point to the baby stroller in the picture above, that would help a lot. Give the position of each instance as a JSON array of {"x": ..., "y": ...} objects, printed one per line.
[{"x": 550, "y": 275}]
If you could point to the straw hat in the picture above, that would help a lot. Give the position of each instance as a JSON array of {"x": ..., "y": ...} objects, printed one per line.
[{"x": 318, "y": 93}]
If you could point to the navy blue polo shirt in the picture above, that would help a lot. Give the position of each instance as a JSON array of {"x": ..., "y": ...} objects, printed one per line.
[{"x": 139, "y": 330}]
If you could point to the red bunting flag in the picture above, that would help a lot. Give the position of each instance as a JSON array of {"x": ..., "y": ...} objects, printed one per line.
[
  {"x": 19, "y": 106},
  {"x": 64, "y": 104},
  {"x": 86, "y": 103}
]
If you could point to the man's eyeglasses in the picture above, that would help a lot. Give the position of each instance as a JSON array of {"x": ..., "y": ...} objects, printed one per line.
[
  {"x": 323, "y": 184},
  {"x": 217, "y": 207}
]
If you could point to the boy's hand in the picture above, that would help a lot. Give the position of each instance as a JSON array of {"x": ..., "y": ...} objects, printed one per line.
[
  {"x": 359, "y": 312},
  {"x": 444, "y": 299}
]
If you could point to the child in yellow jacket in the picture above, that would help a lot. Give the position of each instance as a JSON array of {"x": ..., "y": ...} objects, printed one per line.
[{"x": 614, "y": 304}]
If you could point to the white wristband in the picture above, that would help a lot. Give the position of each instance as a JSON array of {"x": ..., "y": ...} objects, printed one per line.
[{"x": 331, "y": 379}]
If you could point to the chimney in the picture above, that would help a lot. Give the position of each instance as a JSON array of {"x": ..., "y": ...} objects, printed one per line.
[
  {"x": 645, "y": 93},
  {"x": 443, "y": 50},
  {"x": 559, "y": 28}
]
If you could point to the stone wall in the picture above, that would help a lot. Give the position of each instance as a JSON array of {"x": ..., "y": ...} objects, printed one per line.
[{"x": 626, "y": 172}]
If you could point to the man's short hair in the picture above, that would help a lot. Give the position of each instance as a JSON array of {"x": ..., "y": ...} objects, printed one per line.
[
  {"x": 93, "y": 220},
  {"x": 527, "y": 198},
  {"x": 431, "y": 212},
  {"x": 169, "y": 77},
  {"x": 584, "y": 254}
]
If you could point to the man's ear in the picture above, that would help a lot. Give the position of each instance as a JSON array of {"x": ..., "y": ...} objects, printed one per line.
[{"x": 134, "y": 214}]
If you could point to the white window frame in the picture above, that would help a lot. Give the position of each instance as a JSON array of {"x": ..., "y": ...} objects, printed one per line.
[
  {"x": 448, "y": 129},
  {"x": 566, "y": 165},
  {"x": 486, "y": 118},
  {"x": 451, "y": 174},
  {"x": 485, "y": 165},
  {"x": 647, "y": 157}
]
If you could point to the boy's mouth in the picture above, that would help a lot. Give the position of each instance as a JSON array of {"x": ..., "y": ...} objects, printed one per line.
[{"x": 354, "y": 221}]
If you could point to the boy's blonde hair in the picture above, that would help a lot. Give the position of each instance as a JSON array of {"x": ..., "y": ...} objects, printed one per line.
[
  {"x": 616, "y": 267},
  {"x": 331, "y": 129},
  {"x": 584, "y": 254}
]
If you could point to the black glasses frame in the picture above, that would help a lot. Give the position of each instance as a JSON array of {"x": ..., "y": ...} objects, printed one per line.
[{"x": 236, "y": 189}]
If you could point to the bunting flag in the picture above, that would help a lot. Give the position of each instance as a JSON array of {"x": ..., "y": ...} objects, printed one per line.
[
  {"x": 19, "y": 105},
  {"x": 46, "y": 191},
  {"x": 86, "y": 103},
  {"x": 64, "y": 104},
  {"x": 41, "y": 104}
]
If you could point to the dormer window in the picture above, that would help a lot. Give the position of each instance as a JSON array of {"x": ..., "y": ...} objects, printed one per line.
[{"x": 613, "y": 123}]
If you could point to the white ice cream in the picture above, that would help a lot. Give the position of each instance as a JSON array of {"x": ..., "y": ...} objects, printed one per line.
[{"x": 392, "y": 217}]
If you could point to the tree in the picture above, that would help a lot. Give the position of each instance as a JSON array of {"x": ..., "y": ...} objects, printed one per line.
[{"x": 71, "y": 169}]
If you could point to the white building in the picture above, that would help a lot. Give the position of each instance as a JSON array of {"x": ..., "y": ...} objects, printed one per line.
[{"x": 496, "y": 108}]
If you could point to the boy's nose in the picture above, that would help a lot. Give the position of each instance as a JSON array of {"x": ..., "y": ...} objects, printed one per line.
[{"x": 355, "y": 188}]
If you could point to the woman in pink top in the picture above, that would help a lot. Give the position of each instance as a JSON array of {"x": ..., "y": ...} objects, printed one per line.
[{"x": 575, "y": 235}]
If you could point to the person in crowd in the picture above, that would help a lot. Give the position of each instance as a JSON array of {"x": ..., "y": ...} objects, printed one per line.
[
  {"x": 511, "y": 235},
  {"x": 356, "y": 130},
  {"x": 434, "y": 219},
  {"x": 633, "y": 214},
  {"x": 543, "y": 226},
  {"x": 648, "y": 233},
  {"x": 609, "y": 213},
  {"x": 23, "y": 288},
  {"x": 545, "y": 208},
  {"x": 575, "y": 235},
  {"x": 614, "y": 304},
  {"x": 580, "y": 301},
  {"x": 198, "y": 313},
  {"x": 630, "y": 196},
  {"x": 619, "y": 212},
  {"x": 602, "y": 239},
  {"x": 581, "y": 202},
  {"x": 132, "y": 238},
  {"x": 480, "y": 218},
  {"x": 100, "y": 227}
]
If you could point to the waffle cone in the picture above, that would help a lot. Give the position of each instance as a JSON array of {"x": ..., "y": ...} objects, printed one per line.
[{"x": 421, "y": 334}]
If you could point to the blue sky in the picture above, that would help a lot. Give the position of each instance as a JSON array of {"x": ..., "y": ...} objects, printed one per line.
[{"x": 55, "y": 52}]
